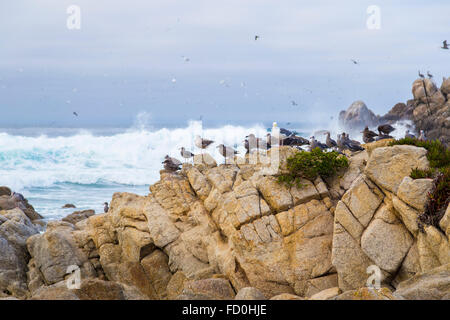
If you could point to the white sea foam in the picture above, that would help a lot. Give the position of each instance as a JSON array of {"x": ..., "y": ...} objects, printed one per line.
[{"x": 132, "y": 157}]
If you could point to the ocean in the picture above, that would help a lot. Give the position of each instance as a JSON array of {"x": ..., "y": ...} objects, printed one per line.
[{"x": 85, "y": 167}]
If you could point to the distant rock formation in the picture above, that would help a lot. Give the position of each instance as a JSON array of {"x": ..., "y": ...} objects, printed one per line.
[
  {"x": 357, "y": 116},
  {"x": 429, "y": 110}
]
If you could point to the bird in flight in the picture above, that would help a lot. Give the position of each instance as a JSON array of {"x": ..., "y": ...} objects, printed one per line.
[
  {"x": 256, "y": 38},
  {"x": 294, "y": 103},
  {"x": 75, "y": 114},
  {"x": 444, "y": 45},
  {"x": 354, "y": 61}
]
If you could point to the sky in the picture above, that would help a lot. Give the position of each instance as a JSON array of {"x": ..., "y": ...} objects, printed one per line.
[{"x": 177, "y": 60}]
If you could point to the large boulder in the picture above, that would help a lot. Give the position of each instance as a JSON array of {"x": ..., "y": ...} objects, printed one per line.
[
  {"x": 431, "y": 285},
  {"x": 15, "y": 228},
  {"x": 388, "y": 166},
  {"x": 357, "y": 116}
]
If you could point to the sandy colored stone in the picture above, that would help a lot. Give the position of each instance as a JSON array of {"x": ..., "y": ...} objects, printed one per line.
[
  {"x": 388, "y": 166},
  {"x": 407, "y": 214},
  {"x": 414, "y": 192},
  {"x": 249, "y": 293},
  {"x": 445, "y": 222},
  {"x": 326, "y": 294},
  {"x": 286, "y": 296}
]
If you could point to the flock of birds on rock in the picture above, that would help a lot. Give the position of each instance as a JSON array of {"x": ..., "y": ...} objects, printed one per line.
[{"x": 285, "y": 137}]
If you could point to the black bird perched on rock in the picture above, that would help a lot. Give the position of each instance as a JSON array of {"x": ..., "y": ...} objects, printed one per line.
[
  {"x": 368, "y": 136},
  {"x": 352, "y": 145},
  {"x": 429, "y": 75},
  {"x": 385, "y": 129},
  {"x": 330, "y": 142},
  {"x": 171, "y": 164},
  {"x": 421, "y": 75},
  {"x": 444, "y": 45},
  {"x": 105, "y": 207},
  {"x": 295, "y": 141},
  {"x": 313, "y": 144}
]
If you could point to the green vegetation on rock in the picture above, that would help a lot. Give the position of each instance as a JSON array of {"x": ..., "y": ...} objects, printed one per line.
[{"x": 312, "y": 164}]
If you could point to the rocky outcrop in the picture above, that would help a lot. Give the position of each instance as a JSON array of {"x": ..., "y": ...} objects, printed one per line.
[
  {"x": 357, "y": 116},
  {"x": 234, "y": 232},
  {"x": 15, "y": 228}
]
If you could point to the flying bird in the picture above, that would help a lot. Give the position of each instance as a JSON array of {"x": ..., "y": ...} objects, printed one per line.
[
  {"x": 444, "y": 45},
  {"x": 294, "y": 103},
  {"x": 354, "y": 61},
  {"x": 75, "y": 114},
  {"x": 256, "y": 38}
]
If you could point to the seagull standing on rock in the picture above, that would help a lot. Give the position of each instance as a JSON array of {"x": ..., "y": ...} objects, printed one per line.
[
  {"x": 385, "y": 129},
  {"x": 171, "y": 164},
  {"x": 226, "y": 151},
  {"x": 313, "y": 143},
  {"x": 330, "y": 142},
  {"x": 202, "y": 143},
  {"x": 368, "y": 136},
  {"x": 186, "y": 154}
]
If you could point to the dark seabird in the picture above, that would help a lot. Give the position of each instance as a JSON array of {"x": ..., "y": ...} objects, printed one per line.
[
  {"x": 421, "y": 75},
  {"x": 294, "y": 103},
  {"x": 313, "y": 144},
  {"x": 354, "y": 61},
  {"x": 256, "y": 38},
  {"x": 105, "y": 207},
  {"x": 75, "y": 114},
  {"x": 202, "y": 143},
  {"x": 352, "y": 145},
  {"x": 171, "y": 164},
  {"x": 444, "y": 45},
  {"x": 330, "y": 142},
  {"x": 422, "y": 136},
  {"x": 385, "y": 129},
  {"x": 409, "y": 135},
  {"x": 226, "y": 151},
  {"x": 295, "y": 141},
  {"x": 368, "y": 136},
  {"x": 186, "y": 154},
  {"x": 340, "y": 143},
  {"x": 429, "y": 75},
  {"x": 246, "y": 146},
  {"x": 17, "y": 196}
]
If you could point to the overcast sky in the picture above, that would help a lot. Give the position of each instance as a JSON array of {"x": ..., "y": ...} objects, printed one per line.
[{"x": 127, "y": 54}]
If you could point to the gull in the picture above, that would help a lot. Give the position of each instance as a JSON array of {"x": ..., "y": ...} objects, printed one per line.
[
  {"x": 256, "y": 38},
  {"x": 313, "y": 144},
  {"x": 354, "y": 61},
  {"x": 105, "y": 207},
  {"x": 75, "y": 114},
  {"x": 385, "y": 128},
  {"x": 352, "y": 145},
  {"x": 294, "y": 103},
  {"x": 444, "y": 45},
  {"x": 226, "y": 151},
  {"x": 202, "y": 143},
  {"x": 186, "y": 59},
  {"x": 186, "y": 154},
  {"x": 368, "y": 136},
  {"x": 171, "y": 164},
  {"x": 330, "y": 142}
]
